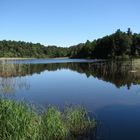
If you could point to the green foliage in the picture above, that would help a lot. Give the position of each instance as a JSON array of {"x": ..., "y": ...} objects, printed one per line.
[
  {"x": 117, "y": 45},
  {"x": 112, "y": 46},
  {"x": 53, "y": 126},
  {"x": 19, "y": 122},
  {"x": 77, "y": 120},
  {"x": 30, "y": 50}
]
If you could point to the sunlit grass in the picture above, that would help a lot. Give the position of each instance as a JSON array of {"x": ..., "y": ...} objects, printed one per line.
[
  {"x": 53, "y": 126},
  {"x": 18, "y": 121}
]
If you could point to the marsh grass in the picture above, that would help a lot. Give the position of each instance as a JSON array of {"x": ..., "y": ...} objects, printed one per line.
[
  {"x": 18, "y": 121},
  {"x": 53, "y": 126},
  {"x": 77, "y": 120}
]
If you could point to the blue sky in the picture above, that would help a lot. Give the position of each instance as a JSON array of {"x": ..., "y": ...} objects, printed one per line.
[{"x": 66, "y": 22}]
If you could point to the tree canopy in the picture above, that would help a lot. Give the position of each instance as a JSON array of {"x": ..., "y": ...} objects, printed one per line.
[
  {"x": 117, "y": 45},
  {"x": 31, "y": 50}
]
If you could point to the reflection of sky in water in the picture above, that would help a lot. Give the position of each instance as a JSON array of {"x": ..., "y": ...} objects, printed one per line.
[
  {"x": 64, "y": 86},
  {"x": 49, "y": 85}
]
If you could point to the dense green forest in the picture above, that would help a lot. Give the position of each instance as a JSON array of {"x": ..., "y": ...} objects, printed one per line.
[
  {"x": 117, "y": 45},
  {"x": 27, "y": 49}
]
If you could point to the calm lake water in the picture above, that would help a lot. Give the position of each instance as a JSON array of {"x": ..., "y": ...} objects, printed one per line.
[{"x": 110, "y": 90}]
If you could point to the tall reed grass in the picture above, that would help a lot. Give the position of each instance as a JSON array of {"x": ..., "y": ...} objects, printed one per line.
[{"x": 18, "y": 121}]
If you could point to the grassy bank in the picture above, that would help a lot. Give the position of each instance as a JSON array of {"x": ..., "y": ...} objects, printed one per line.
[{"x": 18, "y": 121}]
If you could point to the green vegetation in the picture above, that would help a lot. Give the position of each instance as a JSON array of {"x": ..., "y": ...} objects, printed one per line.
[
  {"x": 30, "y": 50},
  {"x": 19, "y": 121},
  {"x": 119, "y": 45},
  {"x": 53, "y": 126},
  {"x": 116, "y": 46},
  {"x": 77, "y": 120}
]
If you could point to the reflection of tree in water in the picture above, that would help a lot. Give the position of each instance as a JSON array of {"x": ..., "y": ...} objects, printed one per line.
[
  {"x": 119, "y": 73},
  {"x": 11, "y": 85},
  {"x": 8, "y": 82}
]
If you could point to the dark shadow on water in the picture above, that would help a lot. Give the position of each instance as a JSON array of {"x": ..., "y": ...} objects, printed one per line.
[
  {"x": 87, "y": 135},
  {"x": 119, "y": 122}
]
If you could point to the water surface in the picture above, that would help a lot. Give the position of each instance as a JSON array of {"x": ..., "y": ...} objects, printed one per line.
[{"x": 111, "y": 90}]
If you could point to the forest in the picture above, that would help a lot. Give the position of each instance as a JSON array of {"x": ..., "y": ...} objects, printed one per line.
[
  {"x": 117, "y": 45},
  {"x": 30, "y": 50}
]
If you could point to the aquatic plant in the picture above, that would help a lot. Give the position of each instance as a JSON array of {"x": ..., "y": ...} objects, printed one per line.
[
  {"x": 19, "y": 121},
  {"x": 77, "y": 120},
  {"x": 53, "y": 126}
]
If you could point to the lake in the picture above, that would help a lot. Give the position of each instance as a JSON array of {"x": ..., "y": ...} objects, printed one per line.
[{"x": 109, "y": 90}]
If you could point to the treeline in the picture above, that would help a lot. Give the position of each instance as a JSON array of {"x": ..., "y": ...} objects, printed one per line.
[
  {"x": 118, "y": 45},
  {"x": 31, "y": 50}
]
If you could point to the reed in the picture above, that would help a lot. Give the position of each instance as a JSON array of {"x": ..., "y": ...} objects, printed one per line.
[
  {"x": 77, "y": 120},
  {"x": 18, "y": 121}
]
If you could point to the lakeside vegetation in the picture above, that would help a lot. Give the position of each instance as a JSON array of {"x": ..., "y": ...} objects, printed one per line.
[
  {"x": 115, "y": 46},
  {"x": 20, "y": 121}
]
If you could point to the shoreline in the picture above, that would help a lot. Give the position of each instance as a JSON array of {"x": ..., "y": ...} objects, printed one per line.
[
  {"x": 20, "y": 58},
  {"x": 14, "y": 58}
]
